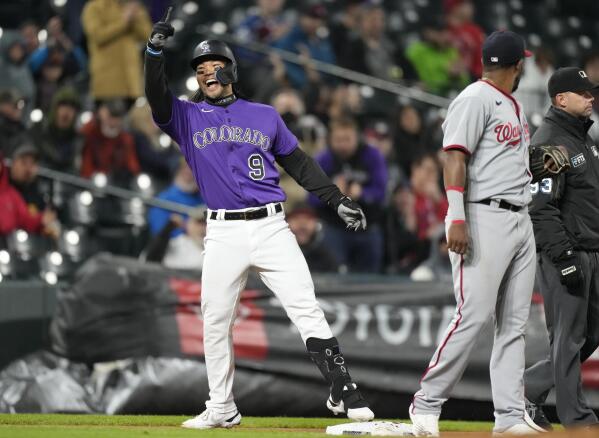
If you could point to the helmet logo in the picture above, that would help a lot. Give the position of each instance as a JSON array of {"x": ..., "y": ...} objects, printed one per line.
[{"x": 204, "y": 46}]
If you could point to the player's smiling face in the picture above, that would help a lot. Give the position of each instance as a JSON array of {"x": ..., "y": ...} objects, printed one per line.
[{"x": 206, "y": 77}]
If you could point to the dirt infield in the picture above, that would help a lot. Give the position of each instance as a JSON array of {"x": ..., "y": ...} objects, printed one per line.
[{"x": 142, "y": 426}]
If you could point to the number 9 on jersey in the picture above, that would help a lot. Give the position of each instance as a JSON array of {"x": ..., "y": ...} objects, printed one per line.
[{"x": 256, "y": 165}]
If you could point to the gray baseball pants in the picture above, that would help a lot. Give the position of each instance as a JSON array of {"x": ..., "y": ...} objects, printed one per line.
[{"x": 493, "y": 283}]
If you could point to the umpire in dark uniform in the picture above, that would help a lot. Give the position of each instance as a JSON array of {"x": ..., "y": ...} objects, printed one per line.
[{"x": 565, "y": 217}]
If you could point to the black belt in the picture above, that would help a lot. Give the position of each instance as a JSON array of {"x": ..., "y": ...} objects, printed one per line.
[
  {"x": 502, "y": 204},
  {"x": 247, "y": 215}
]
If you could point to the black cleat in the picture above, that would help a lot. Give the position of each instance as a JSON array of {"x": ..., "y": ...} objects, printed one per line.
[{"x": 535, "y": 412}]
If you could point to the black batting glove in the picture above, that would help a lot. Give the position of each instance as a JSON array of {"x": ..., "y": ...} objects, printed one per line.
[
  {"x": 160, "y": 32},
  {"x": 570, "y": 271},
  {"x": 351, "y": 213}
]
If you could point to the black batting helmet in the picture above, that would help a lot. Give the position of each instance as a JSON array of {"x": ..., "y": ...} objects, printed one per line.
[{"x": 215, "y": 49}]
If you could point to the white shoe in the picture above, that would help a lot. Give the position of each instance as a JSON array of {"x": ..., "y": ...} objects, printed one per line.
[
  {"x": 531, "y": 423},
  {"x": 355, "y": 414},
  {"x": 518, "y": 429},
  {"x": 357, "y": 408},
  {"x": 424, "y": 424},
  {"x": 210, "y": 419},
  {"x": 528, "y": 427}
]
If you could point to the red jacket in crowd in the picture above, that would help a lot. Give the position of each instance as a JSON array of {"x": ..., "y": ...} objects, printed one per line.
[
  {"x": 107, "y": 155},
  {"x": 14, "y": 213},
  {"x": 428, "y": 214},
  {"x": 469, "y": 38}
]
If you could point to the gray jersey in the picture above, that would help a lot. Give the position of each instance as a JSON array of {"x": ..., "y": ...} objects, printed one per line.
[{"x": 491, "y": 127}]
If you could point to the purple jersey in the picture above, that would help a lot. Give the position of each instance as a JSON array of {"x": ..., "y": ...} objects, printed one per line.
[{"x": 231, "y": 150}]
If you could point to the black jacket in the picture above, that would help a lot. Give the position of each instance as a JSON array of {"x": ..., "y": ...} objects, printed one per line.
[{"x": 565, "y": 210}]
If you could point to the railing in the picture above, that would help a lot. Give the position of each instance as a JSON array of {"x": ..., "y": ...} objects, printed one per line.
[
  {"x": 334, "y": 70},
  {"x": 118, "y": 192}
]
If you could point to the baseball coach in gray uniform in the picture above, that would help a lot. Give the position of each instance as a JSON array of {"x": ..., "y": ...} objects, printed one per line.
[{"x": 565, "y": 217}]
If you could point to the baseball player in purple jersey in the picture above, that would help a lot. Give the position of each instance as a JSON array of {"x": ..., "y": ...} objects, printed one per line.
[{"x": 231, "y": 145}]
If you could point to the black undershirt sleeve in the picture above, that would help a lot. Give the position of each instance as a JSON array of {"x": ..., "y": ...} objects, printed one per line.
[
  {"x": 306, "y": 171},
  {"x": 157, "y": 92}
]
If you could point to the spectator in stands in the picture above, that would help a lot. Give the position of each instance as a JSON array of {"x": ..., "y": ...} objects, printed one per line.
[
  {"x": 115, "y": 31},
  {"x": 29, "y": 32},
  {"x": 370, "y": 51},
  {"x": 466, "y": 35},
  {"x": 56, "y": 61},
  {"x": 266, "y": 24},
  {"x": 49, "y": 79},
  {"x": 303, "y": 222},
  {"x": 177, "y": 240},
  {"x": 590, "y": 64},
  {"x": 185, "y": 251},
  {"x": 377, "y": 134},
  {"x": 344, "y": 27},
  {"x": 107, "y": 147},
  {"x": 12, "y": 130},
  {"x": 156, "y": 159},
  {"x": 310, "y": 132},
  {"x": 15, "y": 214},
  {"x": 408, "y": 137},
  {"x": 430, "y": 204},
  {"x": 74, "y": 60},
  {"x": 437, "y": 63},
  {"x": 360, "y": 172},
  {"x": 56, "y": 137},
  {"x": 14, "y": 71},
  {"x": 532, "y": 89},
  {"x": 345, "y": 101},
  {"x": 306, "y": 127},
  {"x": 305, "y": 39},
  {"x": 403, "y": 250},
  {"x": 23, "y": 176}
]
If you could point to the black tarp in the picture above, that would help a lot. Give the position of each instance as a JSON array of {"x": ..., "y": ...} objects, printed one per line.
[{"x": 130, "y": 335}]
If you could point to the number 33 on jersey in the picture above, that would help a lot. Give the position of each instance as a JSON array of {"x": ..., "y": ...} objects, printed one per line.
[{"x": 231, "y": 150}]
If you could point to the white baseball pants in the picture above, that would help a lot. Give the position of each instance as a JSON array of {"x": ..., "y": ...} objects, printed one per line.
[
  {"x": 232, "y": 248},
  {"x": 492, "y": 283}
]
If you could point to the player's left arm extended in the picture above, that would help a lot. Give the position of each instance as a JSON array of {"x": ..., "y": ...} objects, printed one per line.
[{"x": 308, "y": 174}]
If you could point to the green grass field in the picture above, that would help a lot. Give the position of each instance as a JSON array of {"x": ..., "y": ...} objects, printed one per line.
[{"x": 121, "y": 426}]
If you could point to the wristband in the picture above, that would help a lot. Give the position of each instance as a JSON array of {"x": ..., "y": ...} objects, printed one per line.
[{"x": 455, "y": 198}]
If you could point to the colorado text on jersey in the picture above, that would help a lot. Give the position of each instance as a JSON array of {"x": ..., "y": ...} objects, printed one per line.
[{"x": 226, "y": 133}]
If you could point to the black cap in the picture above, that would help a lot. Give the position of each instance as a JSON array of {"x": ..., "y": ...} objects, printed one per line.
[
  {"x": 504, "y": 47},
  {"x": 572, "y": 79}
]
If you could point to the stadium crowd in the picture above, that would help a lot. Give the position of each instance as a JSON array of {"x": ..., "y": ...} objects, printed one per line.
[{"x": 71, "y": 100}]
